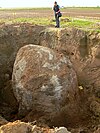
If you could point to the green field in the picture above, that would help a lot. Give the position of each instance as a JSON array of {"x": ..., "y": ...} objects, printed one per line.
[{"x": 87, "y": 18}]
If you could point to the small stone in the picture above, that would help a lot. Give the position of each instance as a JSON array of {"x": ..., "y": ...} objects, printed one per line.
[
  {"x": 61, "y": 130},
  {"x": 81, "y": 87}
]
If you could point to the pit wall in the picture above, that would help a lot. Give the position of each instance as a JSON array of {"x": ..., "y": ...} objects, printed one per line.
[{"x": 83, "y": 49}]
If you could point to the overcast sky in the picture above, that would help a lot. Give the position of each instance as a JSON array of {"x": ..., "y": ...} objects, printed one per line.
[{"x": 47, "y": 3}]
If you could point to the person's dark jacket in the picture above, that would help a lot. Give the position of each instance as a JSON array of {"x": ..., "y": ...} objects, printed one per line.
[{"x": 56, "y": 9}]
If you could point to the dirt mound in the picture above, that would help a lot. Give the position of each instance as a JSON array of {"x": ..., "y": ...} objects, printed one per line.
[{"x": 22, "y": 127}]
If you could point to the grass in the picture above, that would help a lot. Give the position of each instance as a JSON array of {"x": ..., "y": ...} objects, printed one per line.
[
  {"x": 77, "y": 23},
  {"x": 87, "y": 24},
  {"x": 97, "y": 30},
  {"x": 83, "y": 8},
  {"x": 22, "y": 9},
  {"x": 34, "y": 21}
]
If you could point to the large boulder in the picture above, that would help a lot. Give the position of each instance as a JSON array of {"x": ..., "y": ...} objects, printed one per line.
[{"x": 45, "y": 82}]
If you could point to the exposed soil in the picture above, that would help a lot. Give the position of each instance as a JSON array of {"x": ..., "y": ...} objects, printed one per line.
[
  {"x": 83, "y": 51},
  {"x": 9, "y": 14}
]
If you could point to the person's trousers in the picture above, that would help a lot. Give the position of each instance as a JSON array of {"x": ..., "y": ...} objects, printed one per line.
[{"x": 57, "y": 21}]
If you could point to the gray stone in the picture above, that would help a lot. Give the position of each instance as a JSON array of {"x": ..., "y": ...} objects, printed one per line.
[{"x": 61, "y": 130}]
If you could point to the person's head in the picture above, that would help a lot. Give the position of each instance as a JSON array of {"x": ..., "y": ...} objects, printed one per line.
[{"x": 55, "y": 3}]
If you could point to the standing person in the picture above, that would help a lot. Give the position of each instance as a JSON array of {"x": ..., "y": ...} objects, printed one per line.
[{"x": 56, "y": 11}]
